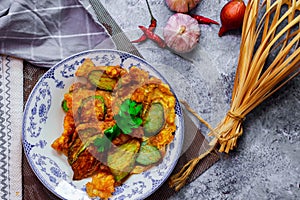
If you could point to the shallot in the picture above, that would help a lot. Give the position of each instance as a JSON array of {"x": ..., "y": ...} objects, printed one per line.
[
  {"x": 232, "y": 15},
  {"x": 181, "y": 33}
]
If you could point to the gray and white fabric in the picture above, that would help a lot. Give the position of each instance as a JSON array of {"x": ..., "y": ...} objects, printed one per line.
[
  {"x": 43, "y": 32},
  {"x": 11, "y": 106}
]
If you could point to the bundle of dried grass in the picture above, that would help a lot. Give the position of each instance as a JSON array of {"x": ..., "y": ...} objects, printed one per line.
[{"x": 269, "y": 58}]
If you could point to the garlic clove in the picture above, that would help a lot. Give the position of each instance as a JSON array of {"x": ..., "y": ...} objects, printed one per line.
[
  {"x": 182, "y": 6},
  {"x": 181, "y": 33}
]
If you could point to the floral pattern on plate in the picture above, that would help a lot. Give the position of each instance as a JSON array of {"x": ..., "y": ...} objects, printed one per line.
[{"x": 43, "y": 123}]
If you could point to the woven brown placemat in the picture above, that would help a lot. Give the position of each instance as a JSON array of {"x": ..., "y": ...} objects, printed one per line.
[
  {"x": 198, "y": 146},
  {"x": 34, "y": 189}
]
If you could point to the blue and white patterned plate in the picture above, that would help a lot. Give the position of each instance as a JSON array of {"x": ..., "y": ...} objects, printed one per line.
[{"x": 43, "y": 123}]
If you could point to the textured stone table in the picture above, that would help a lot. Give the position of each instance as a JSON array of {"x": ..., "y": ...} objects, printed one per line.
[{"x": 266, "y": 164}]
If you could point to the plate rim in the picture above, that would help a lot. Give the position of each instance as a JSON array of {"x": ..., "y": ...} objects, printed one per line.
[{"x": 83, "y": 53}]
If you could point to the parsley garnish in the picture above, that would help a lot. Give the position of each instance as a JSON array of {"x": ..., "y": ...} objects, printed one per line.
[
  {"x": 128, "y": 116},
  {"x": 127, "y": 119}
]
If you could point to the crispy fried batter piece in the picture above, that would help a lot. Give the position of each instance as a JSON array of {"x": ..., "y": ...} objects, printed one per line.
[
  {"x": 127, "y": 85},
  {"x": 63, "y": 143},
  {"x": 88, "y": 66},
  {"x": 121, "y": 139},
  {"x": 83, "y": 163},
  {"x": 85, "y": 68},
  {"x": 102, "y": 185}
]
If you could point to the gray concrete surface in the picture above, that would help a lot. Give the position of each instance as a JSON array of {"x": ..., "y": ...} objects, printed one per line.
[{"x": 266, "y": 164}]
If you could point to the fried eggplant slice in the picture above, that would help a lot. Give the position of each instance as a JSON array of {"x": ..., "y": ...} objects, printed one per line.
[
  {"x": 148, "y": 155},
  {"x": 92, "y": 109},
  {"x": 83, "y": 163},
  {"x": 86, "y": 137},
  {"x": 155, "y": 120},
  {"x": 122, "y": 160},
  {"x": 102, "y": 80}
]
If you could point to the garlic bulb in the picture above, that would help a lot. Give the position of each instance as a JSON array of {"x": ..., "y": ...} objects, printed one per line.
[
  {"x": 181, "y": 33},
  {"x": 182, "y": 6}
]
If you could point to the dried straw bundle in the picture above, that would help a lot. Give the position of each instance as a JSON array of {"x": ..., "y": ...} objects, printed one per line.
[{"x": 269, "y": 58}]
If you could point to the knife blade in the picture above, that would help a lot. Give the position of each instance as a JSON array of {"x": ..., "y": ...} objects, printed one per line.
[{"x": 121, "y": 40}]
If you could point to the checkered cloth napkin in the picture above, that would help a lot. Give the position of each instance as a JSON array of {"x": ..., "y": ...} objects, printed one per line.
[
  {"x": 44, "y": 32},
  {"x": 41, "y": 32}
]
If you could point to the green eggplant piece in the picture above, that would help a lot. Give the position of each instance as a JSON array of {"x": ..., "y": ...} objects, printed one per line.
[
  {"x": 81, "y": 143},
  {"x": 121, "y": 161},
  {"x": 75, "y": 150},
  {"x": 88, "y": 113},
  {"x": 82, "y": 162},
  {"x": 155, "y": 120},
  {"x": 101, "y": 80},
  {"x": 148, "y": 155},
  {"x": 64, "y": 106}
]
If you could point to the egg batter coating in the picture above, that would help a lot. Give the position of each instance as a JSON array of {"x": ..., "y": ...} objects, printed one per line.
[{"x": 92, "y": 109}]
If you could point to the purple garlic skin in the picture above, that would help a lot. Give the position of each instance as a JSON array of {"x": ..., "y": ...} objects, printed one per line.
[
  {"x": 181, "y": 33},
  {"x": 182, "y": 6}
]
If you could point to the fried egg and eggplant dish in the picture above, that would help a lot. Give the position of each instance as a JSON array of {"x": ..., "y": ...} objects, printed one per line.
[{"x": 117, "y": 123}]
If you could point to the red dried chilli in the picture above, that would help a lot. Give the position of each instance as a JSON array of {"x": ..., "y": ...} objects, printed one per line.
[
  {"x": 152, "y": 26},
  {"x": 203, "y": 20},
  {"x": 152, "y": 36}
]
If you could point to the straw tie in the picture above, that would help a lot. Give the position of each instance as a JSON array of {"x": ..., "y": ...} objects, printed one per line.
[{"x": 235, "y": 116}]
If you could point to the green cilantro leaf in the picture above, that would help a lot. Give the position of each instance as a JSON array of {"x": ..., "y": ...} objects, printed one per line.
[
  {"x": 127, "y": 119},
  {"x": 128, "y": 116},
  {"x": 103, "y": 143}
]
